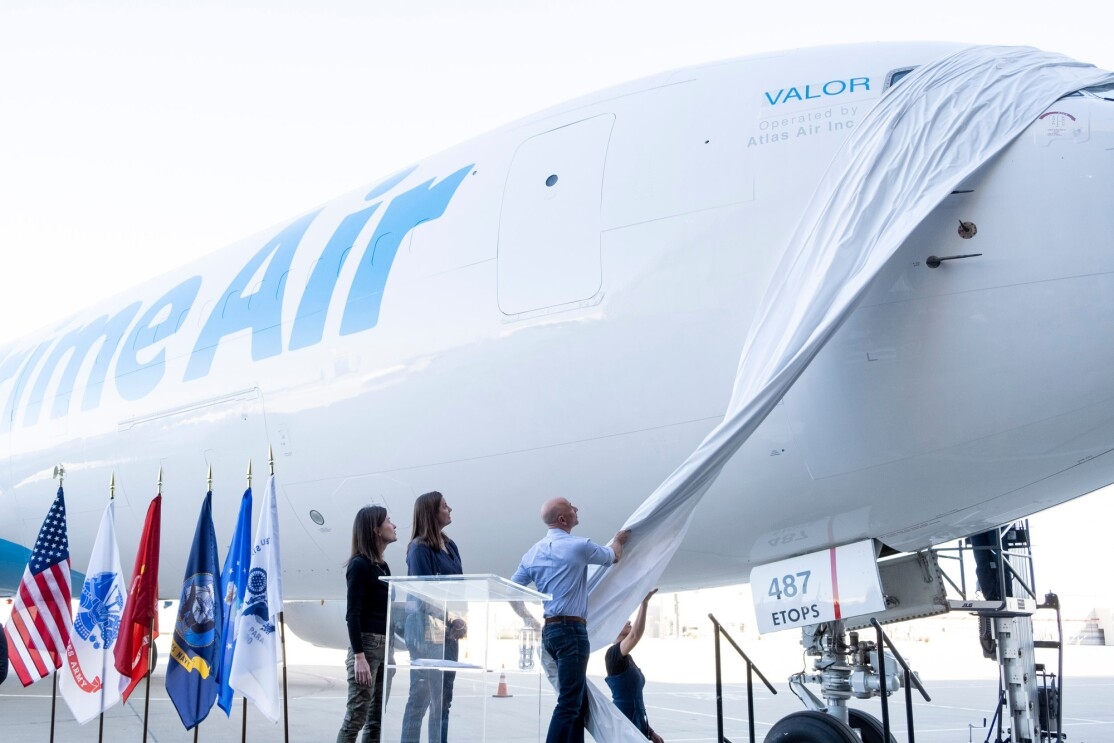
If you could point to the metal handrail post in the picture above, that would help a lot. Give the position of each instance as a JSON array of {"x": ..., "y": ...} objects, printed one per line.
[
  {"x": 719, "y": 690},
  {"x": 750, "y": 701},
  {"x": 881, "y": 645},
  {"x": 909, "y": 709}
]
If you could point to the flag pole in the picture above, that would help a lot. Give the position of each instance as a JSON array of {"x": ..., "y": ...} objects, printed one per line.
[
  {"x": 104, "y": 668},
  {"x": 282, "y": 637},
  {"x": 150, "y": 670},
  {"x": 53, "y": 704},
  {"x": 150, "y": 643},
  {"x": 60, "y": 473},
  {"x": 209, "y": 489},
  {"x": 244, "y": 718}
]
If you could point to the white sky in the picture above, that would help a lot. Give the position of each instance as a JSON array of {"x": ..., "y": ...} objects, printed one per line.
[{"x": 138, "y": 135}]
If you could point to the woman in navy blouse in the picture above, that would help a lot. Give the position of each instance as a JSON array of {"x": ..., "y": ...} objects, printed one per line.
[{"x": 428, "y": 634}]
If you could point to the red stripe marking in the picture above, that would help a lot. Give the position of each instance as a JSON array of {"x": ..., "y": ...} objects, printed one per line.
[
  {"x": 53, "y": 626},
  {"x": 15, "y": 659},
  {"x": 44, "y": 623},
  {"x": 27, "y": 675},
  {"x": 56, "y": 593},
  {"x": 835, "y": 583}
]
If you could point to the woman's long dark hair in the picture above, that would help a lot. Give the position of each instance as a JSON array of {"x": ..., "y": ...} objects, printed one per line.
[
  {"x": 427, "y": 522},
  {"x": 365, "y": 533}
]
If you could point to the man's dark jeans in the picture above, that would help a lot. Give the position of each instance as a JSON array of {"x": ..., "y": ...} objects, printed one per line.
[{"x": 567, "y": 642}]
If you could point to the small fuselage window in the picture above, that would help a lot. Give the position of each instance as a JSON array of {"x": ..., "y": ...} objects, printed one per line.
[{"x": 893, "y": 77}]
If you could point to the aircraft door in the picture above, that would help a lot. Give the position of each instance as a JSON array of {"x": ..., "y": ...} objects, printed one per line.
[{"x": 549, "y": 228}]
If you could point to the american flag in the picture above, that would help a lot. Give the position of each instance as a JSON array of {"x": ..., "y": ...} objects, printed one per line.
[{"x": 39, "y": 627}]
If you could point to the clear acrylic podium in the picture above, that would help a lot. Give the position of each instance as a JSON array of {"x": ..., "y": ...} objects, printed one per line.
[{"x": 457, "y": 638}]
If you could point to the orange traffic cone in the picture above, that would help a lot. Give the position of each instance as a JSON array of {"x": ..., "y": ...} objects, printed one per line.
[{"x": 501, "y": 692}]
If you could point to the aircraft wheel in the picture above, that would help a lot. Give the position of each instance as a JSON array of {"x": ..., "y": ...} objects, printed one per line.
[
  {"x": 869, "y": 726},
  {"x": 810, "y": 727}
]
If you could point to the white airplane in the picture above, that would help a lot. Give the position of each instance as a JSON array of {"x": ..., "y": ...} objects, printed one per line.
[{"x": 557, "y": 308}]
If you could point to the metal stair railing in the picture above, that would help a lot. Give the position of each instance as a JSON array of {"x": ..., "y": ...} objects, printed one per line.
[
  {"x": 911, "y": 678},
  {"x": 751, "y": 669}
]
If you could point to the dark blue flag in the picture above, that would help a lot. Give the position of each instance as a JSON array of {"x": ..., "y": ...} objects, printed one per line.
[
  {"x": 191, "y": 676},
  {"x": 234, "y": 584}
]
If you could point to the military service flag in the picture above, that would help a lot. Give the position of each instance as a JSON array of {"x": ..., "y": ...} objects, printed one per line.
[
  {"x": 233, "y": 583},
  {"x": 255, "y": 664},
  {"x": 89, "y": 681},
  {"x": 140, "y": 623},
  {"x": 191, "y": 676}
]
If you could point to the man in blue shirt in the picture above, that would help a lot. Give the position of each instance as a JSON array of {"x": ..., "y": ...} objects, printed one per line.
[{"x": 558, "y": 565}]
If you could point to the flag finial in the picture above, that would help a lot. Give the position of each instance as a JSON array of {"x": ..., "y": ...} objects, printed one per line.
[
  {"x": 209, "y": 481},
  {"x": 59, "y": 472},
  {"x": 271, "y": 459},
  {"x": 249, "y": 473},
  {"x": 112, "y": 486},
  {"x": 159, "y": 484}
]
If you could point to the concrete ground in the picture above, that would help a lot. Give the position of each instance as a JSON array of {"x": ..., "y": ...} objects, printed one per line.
[{"x": 680, "y": 697}]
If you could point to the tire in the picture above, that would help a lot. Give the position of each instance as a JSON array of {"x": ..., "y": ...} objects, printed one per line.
[
  {"x": 810, "y": 727},
  {"x": 869, "y": 726}
]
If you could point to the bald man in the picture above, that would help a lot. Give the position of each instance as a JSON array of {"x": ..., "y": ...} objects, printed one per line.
[{"x": 558, "y": 565}]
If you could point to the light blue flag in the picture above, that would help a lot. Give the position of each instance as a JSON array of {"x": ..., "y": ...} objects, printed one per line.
[{"x": 233, "y": 584}]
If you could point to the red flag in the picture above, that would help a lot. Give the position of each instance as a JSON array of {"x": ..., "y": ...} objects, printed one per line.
[
  {"x": 39, "y": 627},
  {"x": 141, "y": 610}
]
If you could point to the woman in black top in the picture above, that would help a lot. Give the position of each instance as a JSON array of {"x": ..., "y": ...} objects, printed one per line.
[
  {"x": 625, "y": 678},
  {"x": 431, "y": 552},
  {"x": 366, "y": 617}
]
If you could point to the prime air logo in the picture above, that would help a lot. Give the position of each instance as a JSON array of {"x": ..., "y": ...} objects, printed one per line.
[
  {"x": 129, "y": 347},
  {"x": 816, "y": 91}
]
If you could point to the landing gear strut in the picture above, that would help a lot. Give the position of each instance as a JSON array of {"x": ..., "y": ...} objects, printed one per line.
[{"x": 845, "y": 667}]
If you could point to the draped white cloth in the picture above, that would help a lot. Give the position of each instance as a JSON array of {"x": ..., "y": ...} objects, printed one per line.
[{"x": 922, "y": 138}]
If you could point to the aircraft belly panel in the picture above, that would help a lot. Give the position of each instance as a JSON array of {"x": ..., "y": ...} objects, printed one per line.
[{"x": 974, "y": 355}]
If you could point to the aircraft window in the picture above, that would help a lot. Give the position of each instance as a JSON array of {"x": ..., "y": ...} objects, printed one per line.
[
  {"x": 893, "y": 77},
  {"x": 551, "y": 181}
]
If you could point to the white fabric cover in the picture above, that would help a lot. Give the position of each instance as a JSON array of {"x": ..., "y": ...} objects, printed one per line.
[{"x": 921, "y": 139}]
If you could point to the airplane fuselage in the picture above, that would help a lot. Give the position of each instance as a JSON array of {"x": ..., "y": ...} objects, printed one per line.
[{"x": 558, "y": 308}]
